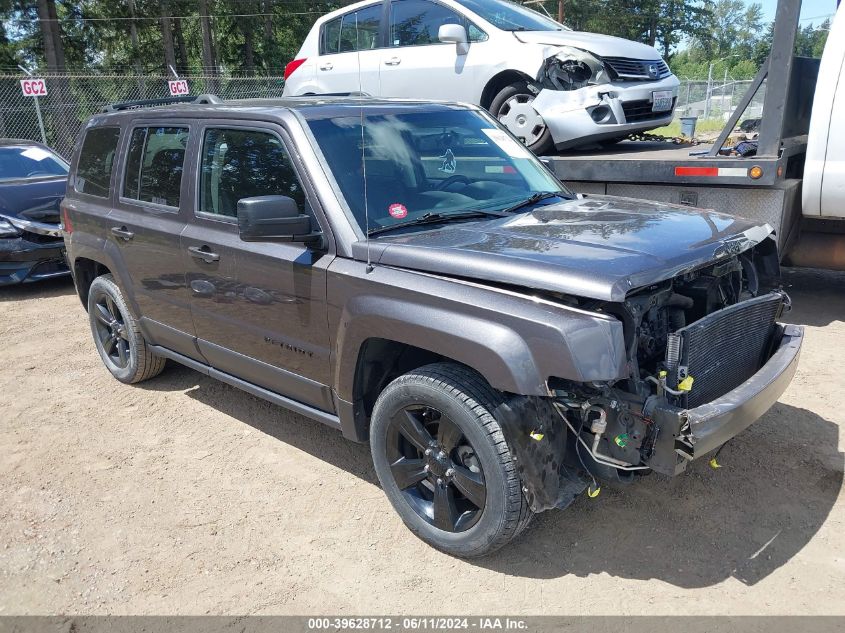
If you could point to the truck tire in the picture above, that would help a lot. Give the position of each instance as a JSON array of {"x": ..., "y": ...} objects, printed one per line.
[
  {"x": 512, "y": 107},
  {"x": 443, "y": 462},
  {"x": 117, "y": 336}
]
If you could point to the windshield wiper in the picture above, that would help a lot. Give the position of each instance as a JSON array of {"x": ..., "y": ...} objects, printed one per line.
[
  {"x": 534, "y": 199},
  {"x": 436, "y": 218}
]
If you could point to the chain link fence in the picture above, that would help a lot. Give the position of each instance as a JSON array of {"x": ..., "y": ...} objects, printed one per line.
[
  {"x": 71, "y": 99},
  {"x": 717, "y": 99}
]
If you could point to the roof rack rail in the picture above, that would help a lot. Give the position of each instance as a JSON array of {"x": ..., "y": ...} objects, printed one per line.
[{"x": 143, "y": 103}]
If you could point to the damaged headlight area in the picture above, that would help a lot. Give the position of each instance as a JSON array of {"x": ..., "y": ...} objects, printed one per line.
[{"x": 572, "y": 69}]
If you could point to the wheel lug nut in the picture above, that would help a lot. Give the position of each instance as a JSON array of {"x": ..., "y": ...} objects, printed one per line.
[
  {"x": 439, "y": 482},
  {"x": 426, "y": 468},
  {"x": 450, "y": 472},
  {"x": 428, "y": 451}
]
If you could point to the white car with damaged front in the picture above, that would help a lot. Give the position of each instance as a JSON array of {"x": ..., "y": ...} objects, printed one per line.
[{"x": 549, "y": 85}]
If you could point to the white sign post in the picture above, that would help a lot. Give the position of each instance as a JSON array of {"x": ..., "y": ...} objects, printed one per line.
[
  {"x": 178, "y": 87},
  {"x": 35, "y": 88}
]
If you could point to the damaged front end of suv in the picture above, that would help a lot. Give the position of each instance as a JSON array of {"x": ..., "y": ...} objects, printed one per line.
[{"x": 706, "y": 357}]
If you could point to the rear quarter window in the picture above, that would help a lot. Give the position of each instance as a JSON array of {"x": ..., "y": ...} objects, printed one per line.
[{"x": 96, "y": 159}]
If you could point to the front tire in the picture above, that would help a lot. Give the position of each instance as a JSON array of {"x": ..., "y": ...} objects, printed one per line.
[
  {"x": 512, "y": 107},
  {"x": 117, "y": 335},
  {"x": 443, "y": 462}
]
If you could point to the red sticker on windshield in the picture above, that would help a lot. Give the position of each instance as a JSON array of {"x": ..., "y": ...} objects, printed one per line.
[{"x": 397, "y": 211}]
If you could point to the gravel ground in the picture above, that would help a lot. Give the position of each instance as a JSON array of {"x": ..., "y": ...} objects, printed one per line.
[{"x": 184, "y": 495}]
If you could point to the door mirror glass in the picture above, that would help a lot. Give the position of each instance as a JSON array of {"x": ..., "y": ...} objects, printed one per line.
[
  {"x": 452, "y": 33},
  {"x": 273, "y": 218}
]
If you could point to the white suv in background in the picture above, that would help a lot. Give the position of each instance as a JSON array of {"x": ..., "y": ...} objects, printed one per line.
[{"x": 549, "y": 85}]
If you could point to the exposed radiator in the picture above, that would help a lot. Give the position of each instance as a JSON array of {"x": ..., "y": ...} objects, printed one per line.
[{"x": 725, "y": 348}]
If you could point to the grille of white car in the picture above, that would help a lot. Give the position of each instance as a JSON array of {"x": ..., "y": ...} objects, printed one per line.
[{"x": 638, "y": 69}]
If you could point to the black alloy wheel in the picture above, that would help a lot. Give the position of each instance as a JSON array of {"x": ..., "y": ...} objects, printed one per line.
[
  {"x": 443, "y": 462},
  {"x": 111, "y": 330},
  {"x": 117, "y": 334},
  {"x": 436, "y": 468}
]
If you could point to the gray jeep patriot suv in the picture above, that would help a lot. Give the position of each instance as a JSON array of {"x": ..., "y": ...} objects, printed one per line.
[{"x": 408, "y": 273}]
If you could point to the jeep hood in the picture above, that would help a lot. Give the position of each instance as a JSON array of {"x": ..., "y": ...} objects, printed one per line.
[
  {"x": 599, "y": 247},
  {"x": 601, "y": 45}
]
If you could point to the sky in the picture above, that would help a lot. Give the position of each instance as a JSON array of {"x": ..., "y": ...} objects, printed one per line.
[{"x": 811, "y": 10}]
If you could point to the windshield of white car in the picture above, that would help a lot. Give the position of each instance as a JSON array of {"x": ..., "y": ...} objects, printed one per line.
[
  {"x": 30, "y": 162},
  {"x": 438, "y": 161},
  {"x": 510, "y": 16}
]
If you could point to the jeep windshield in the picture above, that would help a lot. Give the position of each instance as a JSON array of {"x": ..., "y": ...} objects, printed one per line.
[
  {"x": 510, "y": 16},
  {"x": 440, "y": 163}
]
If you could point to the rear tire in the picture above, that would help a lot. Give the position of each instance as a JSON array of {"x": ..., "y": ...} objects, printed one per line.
[
  {"x": 512, "y": 107},
  {"x": 469, "y": 501},
  {"x": 117, "y": 335}
]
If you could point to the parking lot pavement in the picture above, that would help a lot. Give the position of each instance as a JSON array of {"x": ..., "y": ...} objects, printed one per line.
[{"x": 184, "y": 495}]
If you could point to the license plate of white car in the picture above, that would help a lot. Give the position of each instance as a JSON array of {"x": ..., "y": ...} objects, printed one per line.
[{"x": 661, "y": 101}]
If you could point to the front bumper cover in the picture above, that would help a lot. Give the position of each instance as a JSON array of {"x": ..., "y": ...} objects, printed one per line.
[
  {"x": 23, "y": 260},
  {"x": 710, "y": 425},
  {"x": 567, "y": 113}
]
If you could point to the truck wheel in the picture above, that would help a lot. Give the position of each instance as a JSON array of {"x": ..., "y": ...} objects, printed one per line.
[
  {"x": 512, "y": 106},
  {"x": 443, "y": 462},
  {"x": 117, "y": 335}
]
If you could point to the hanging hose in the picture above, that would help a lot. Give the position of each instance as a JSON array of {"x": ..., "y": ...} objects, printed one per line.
[{"x": 605, "y": 460}]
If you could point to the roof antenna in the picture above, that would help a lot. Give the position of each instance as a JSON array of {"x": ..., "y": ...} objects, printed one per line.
[{"x": 369, "y": 268}]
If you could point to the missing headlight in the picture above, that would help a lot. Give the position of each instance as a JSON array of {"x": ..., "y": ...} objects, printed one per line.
[{"x": 571, "y": 69}]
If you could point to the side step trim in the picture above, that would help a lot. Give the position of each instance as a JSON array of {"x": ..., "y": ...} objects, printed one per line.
[{"x": 303, "y": 409}]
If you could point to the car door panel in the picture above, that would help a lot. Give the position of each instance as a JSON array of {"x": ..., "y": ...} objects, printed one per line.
[
  {"x": 260, "y": 307},
  {"x": 416, "y": 64},
  {"x": 350, "y": 52},
  {"x": 147, "y": 236}
]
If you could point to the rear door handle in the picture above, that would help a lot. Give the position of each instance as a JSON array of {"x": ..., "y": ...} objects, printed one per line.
[
  {"x": 122, "y": 232},
  {"x": 326, "y": 66},
  {"x": 204, "y": 253},
  {"x": 393, "y": 61}
]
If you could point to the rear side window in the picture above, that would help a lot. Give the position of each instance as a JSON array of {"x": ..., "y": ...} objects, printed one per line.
[
  {"x": 241, "y": 164},
  {"x": 154, "y": 165},
  {"x": 93, "y": 173},
  {"x": 417, "y": 22},
  {"x": 356, "y": 31}
]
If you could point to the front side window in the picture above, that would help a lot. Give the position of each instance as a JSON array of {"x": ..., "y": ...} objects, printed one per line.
[
  {"x": 510, "y": 16},
  {"x": 240, "y": 164},
  {"x": 440, "y": 161},
  {"x": 417, "y": 22},
  {"x": 154, "y": 165},
  {"x": 356, "y": 31},
  {"x": 30, "y": 162},
  {"x": 96, "y": 159}
]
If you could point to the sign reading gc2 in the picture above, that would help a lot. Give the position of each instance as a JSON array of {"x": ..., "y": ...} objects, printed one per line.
[
  {"x": 178, "y": 87},
  {"x": 34, "y": 87}
]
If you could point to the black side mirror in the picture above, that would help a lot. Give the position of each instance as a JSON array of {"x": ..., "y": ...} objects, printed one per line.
[{"x": 274, "y": 219}]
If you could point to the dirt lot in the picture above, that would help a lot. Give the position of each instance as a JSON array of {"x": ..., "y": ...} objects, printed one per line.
[{"x": 187, "y": 496}]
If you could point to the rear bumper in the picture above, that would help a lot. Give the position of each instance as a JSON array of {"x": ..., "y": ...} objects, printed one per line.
[
  {"x": 22, "y": 260},
  {"x": 710, "y": 425}
]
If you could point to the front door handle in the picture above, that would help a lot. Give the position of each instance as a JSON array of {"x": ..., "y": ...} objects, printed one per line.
[
  {"x": 203, "y": 253},
  {"x": 326, "y": 66},
  {"x": 122, "y": 232},
  {"x": 393, "y": 61}
]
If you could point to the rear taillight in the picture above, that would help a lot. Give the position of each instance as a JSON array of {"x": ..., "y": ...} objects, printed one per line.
[
  {"x": 292, "y": 66},
  {"x": 66, "y": 223}
]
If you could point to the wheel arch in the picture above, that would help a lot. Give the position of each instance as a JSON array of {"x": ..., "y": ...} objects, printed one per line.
[
  {"x": 499, "y": 81},
  {"x": 85, "y": 271}
]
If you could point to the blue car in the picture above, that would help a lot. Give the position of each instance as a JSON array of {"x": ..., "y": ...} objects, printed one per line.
[{"x": 32, "y": 184}]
